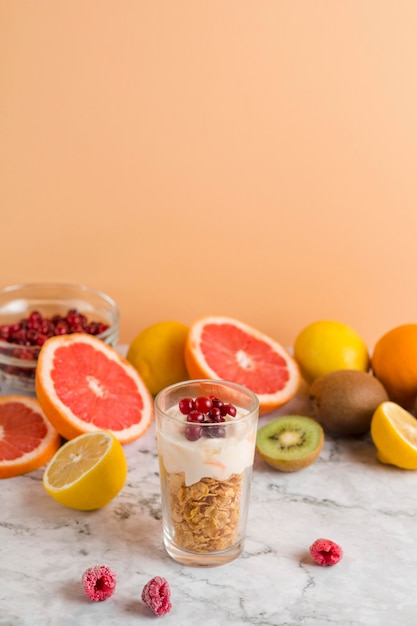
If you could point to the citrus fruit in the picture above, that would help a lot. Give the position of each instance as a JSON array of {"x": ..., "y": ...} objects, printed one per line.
[
  {"x": 326, "y": 346},
  {"x": 394, "y": 433},
  {"x": 224, "y": 348},
  {"x": 394, "y": 363},
  {"x": 158, "y": 355},
  {"x": 27, "y": 439},
  {"x": 84, "y": 385},
  {"x": 87, "y": 472}
]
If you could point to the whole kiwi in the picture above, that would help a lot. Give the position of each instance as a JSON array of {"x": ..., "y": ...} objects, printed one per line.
[{"x": 344, "y": 401}]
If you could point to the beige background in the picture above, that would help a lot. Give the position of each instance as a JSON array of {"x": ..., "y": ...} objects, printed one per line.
[{"x": 248, "y": 158}]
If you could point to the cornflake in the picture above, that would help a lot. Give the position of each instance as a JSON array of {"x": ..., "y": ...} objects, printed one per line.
[{"x": 205, "y": 515}]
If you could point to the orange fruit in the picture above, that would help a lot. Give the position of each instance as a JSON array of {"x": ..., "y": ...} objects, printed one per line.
[
  {"x": 27, "y": 439},
  {"x": 84, "y": 385},
  {"x": 394, "y": 363},
  {"x": 226, "y": 349}
]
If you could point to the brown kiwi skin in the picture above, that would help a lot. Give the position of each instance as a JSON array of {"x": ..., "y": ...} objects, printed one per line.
[
  {"x": 294, "y": 465},
  {"x": 344, "y": 401}
]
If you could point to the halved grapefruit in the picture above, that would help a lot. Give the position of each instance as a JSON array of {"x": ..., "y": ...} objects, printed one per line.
[
  {"x": 27, "y": 439},
  {"x": 224, "y": 348},
  {"x": 84, "y": 385}
]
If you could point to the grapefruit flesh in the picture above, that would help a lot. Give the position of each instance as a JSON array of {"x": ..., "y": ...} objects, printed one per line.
[
  {"x": 226, "y": 349},
  {"x": 84, "y": 385},
  {"x": 27, "y": 439}
]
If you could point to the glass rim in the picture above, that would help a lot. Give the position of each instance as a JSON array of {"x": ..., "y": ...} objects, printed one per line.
[
  {"x": 236, "y": 387},
  {"x": 53, "y": 285}
]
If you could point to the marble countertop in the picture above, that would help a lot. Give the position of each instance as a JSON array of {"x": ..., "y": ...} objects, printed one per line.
[{"x": 347, "y": 496}]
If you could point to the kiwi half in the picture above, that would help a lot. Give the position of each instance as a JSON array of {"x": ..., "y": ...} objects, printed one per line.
[{"x": 290, "y": 443}]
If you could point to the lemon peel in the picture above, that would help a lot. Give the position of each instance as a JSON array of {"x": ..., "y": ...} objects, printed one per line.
[{"x": 394, "y": 433}]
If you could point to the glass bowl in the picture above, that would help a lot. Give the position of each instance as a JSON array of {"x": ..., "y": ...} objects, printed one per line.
[{"x": 51, "y": 300}]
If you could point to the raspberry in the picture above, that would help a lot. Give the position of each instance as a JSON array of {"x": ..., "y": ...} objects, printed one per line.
[
  {"x": 156, "y": 594},
  {"x": 99, "y": 582},
  {"x": 326, "y": 552}
]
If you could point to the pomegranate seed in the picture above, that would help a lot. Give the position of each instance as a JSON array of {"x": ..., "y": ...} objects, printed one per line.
[
  {"x": 231, "y": 410},
  {"x": 193, "y": 432},
  {"x": 35, "y": 316},
  {"x": 4, "y": 331},
  {"x": 213, "y": 414},
  {"x": 186, "y": 405},
  {"x": 205, "y": 410},
  {"x": 34, "y": 330},
  {"x": 203, "y": 404},
  {"x": 195, "y": 416},
  {"x": 217, "y": 403}
]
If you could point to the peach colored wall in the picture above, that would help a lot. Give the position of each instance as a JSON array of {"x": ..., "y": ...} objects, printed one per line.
[{"x": 249, "y": 158}]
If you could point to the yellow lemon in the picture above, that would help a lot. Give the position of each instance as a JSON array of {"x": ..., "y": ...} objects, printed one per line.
[
  {"x": 326, "y": 346},
  {"x": 87, "y": 471},
  {"x": 158, "y": 355},
  {"x": 394, "y": 433}
]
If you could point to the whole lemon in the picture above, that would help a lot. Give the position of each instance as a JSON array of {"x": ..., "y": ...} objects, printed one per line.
[
  {"x": 157, "y": 353},
  {"x": 326, "y": 346}
]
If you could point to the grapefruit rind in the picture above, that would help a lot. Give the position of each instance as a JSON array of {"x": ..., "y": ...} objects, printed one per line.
[
  {"x": 30, "y": 461},
  {"x": 62, "y": 417},
  {"x": 198, "y": 367}
]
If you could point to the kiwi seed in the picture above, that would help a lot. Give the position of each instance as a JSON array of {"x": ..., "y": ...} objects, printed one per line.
[{"x": 290, "y": 443}]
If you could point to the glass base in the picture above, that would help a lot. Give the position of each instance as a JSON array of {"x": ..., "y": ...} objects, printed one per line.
[{"x": 207, "y": 559}]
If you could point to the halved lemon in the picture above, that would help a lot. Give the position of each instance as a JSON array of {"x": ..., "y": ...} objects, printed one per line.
[
  {"x": 394, "y": 433},
  {"x": 87, "y": 472}
]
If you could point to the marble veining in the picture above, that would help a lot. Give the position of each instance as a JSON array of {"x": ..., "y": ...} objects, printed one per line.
[{"x": 347, "y": 496}]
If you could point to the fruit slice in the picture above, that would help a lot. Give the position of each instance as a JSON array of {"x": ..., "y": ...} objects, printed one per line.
[
  {"x": 87, "y": 472},
  {"x": 27, "y": 439},
  {"x": 224, "y": 348},
  {"x": 394, "y": 433},
  {"x": 84, "y": 385},
  {"x": 290, "y": 443}
]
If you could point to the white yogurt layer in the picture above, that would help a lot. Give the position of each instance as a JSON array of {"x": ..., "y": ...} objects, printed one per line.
[{"x": 217, "y": 457}]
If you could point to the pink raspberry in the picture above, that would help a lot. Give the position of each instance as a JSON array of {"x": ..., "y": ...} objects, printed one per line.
[
  {"x": 326, "y": 552},
  {"x": 99, "y": 582},
  {"x": 156, "y": 594}
]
